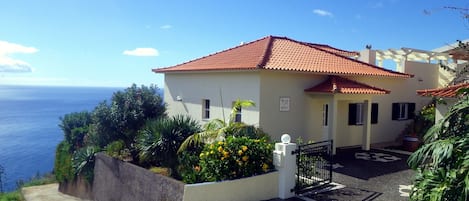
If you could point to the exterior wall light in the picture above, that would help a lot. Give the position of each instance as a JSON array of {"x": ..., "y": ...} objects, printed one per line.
[{"x": 285, "y": 138}]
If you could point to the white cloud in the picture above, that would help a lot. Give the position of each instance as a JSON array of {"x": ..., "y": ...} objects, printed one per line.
[
  {"x": 142, "y": 52},
  {"x": 13, "y": 65},
  {"x": 11, "y": 48},
  {"x": 322, "y": 13},
  {"x": 166, "y": 26},
  {"x": 8, "y": 64}
]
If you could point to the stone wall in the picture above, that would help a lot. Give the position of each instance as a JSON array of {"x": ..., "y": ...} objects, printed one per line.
[
  {"x": 79, "y": 187},
  {"x": 117, "y": 180}
]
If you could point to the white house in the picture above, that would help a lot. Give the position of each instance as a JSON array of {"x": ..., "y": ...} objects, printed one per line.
[
  {"x": 308, "y": 90},
  {"x": 449, "y": 91}
]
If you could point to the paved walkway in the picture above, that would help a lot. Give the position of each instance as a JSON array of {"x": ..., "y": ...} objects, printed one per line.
[
  {"x": 47, "y": 192},
  {"x": 369, "y": 175}
]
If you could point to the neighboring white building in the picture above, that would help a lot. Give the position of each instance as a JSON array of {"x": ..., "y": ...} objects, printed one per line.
[
  {"x": 307, "y": 90},
  {"x": 449, "y": 84}
]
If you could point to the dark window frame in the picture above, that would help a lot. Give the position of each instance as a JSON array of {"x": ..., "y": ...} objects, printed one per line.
[
  {"x": 205, "y": 108},
  {"x": 353, "y": 118},
  {"x": 402, "y": 111}
]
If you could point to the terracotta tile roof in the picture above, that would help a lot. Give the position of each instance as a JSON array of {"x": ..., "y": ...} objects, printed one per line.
[
  {"x": 334, "y": 50},
  {"x": 284, "y": 54},
  {"x": 336, "y": 84},
  {"x": 447, "y": 92}
]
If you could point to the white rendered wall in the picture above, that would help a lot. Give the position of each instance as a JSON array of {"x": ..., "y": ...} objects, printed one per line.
[
  {"x": 402, "y": 90},
  {"x": 261, "y": 187},
  {"x": 442, "y": 109},
  {"x": 276, "y": 84},
  {"x": 215, "y": 86}
]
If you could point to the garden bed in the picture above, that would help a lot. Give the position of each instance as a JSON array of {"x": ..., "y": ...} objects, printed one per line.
[{"x": 118, "y": 180}]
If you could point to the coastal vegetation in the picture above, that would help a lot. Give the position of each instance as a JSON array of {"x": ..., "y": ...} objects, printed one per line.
[
  {"x": 134, "y": 127},
  {"x": 442, "y": 163}
]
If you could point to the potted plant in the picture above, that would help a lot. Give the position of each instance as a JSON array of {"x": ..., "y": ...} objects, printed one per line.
[{"x": 411, "y": 141}]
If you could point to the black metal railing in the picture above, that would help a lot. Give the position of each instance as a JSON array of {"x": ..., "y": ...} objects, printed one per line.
[{"x": 314, "y": 162}]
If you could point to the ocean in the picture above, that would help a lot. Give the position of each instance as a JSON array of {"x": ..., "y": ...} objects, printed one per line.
[{"x": 29, "y": 131}]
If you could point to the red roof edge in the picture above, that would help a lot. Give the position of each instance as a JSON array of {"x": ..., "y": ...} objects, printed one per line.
[
  {"x": 267, "y": 52},
  {"x": 162, "y": 70},
  {"x": 355, "y": 53},
  {"x": 447, "y": 92},
  {"x": 337, "y": 81},
  {"x": 355, "y": 60}
]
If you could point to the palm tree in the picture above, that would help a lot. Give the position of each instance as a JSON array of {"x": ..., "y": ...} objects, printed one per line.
[
  {"x": 217, "y": 129},
  {"x": 442, "y": 163}
]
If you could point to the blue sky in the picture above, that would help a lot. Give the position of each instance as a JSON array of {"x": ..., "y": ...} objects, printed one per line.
[{"x": 118, "y": 42}]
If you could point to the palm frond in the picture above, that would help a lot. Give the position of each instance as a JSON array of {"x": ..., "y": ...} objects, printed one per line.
[
  {"x": 197, "y": 138},
  {"x": 239, "y": 104}
]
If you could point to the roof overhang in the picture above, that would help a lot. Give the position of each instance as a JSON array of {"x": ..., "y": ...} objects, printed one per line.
[
  {"x": 446, "y": 92},
  {"x": 335, "y": 84}
]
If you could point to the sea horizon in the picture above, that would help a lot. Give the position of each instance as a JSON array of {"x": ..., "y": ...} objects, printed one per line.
[{"x": 29, "y": 131}]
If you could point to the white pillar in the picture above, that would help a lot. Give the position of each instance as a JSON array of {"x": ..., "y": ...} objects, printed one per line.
[
  {"x": 285, "y": 163},
  {"x": 366, "y": 137}
]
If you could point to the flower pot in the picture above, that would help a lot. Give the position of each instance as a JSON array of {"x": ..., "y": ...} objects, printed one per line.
[{"x": 411, "y": 143}]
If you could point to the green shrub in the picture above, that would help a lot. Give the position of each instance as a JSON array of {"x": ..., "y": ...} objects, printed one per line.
[
  {"x": 238, "y": 129},
  {"x": 236, "y": 157},
  {"x": 161, "y": 170},
  {"x": 118, "y": 150},
  {"x": 63, "y": 162},
  {"x": 75, "y": 126},
  {"x": 12, "y": 196},
  {"x": 189, "y": 168},
  {"x": 125, "y": 115}
]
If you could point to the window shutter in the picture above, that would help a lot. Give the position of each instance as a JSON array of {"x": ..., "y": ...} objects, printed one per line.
[
  {"x": 352, "y": 114},
  {"x": 395, "y": 111},
  {"x": 411, "y": 111},
  {"x": 374, "y": 113}
]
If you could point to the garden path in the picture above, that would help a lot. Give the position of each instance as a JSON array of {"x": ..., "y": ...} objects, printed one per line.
[{"x": 47, "y": 192}]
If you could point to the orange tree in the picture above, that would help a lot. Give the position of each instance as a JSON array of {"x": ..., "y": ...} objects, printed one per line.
[{"x": 236, "y": 157}]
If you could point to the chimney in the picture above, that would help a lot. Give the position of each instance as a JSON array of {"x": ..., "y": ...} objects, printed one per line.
[{"x": 368, "y": 55}]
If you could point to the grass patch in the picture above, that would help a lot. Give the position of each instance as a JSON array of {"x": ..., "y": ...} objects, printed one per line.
[
  {"x": 12, "y": 196},
  {"x": 37, "y": 181},
  {"x": 34, "y": 181}
]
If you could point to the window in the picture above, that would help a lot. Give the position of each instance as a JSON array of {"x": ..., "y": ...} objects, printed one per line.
[
  {"x": 205, "y": 109},
  {"x": 403, "y": 111},
  {"x": 237, "y": 114},
  {"x": 356, "y": 113},
  {"x": 325, "y": 114}
]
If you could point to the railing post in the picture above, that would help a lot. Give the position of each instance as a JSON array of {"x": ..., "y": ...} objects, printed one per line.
[{"x": 285, "y": 163}]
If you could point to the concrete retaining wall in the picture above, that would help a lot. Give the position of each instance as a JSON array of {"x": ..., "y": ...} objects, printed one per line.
[
  {"x": 261, "y": 187},
  {"x": 117, "y": 180},
  {"x": 79, "y": 187}
]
